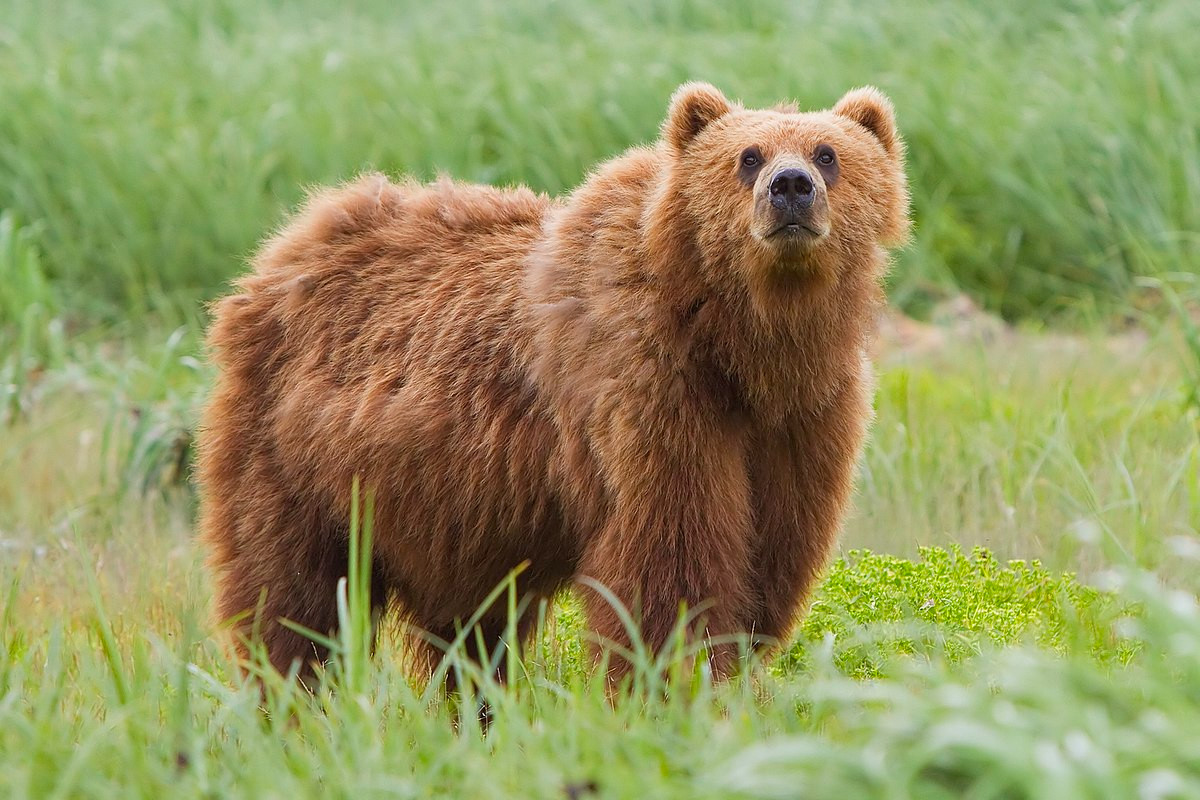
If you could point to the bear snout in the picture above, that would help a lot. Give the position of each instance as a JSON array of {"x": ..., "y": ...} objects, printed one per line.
[
  {"x": 792, "y": 188},
  {"x": 793, "y": 207}
]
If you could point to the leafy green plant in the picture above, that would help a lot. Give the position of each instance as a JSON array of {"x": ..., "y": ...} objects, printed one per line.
[{"x": 872, "y": 606}]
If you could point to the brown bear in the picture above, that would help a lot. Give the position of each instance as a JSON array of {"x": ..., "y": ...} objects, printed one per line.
[{"x": 658, "y": 383}]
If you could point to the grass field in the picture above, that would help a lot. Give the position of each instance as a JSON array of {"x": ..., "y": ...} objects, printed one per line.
[
  {"x": 155, "y": 142},
  {"x": 1054, "y": 151}
]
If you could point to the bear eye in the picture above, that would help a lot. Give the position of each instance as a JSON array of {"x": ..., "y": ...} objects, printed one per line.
[
  {"x": 827, "y": 163},
  {"x": 751, "y": 158}
]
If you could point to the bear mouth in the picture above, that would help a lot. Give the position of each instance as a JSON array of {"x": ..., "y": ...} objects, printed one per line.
[{"x": 795, "y": 230}]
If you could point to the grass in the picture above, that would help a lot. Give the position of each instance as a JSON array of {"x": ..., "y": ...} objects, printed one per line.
[
  {"x": 1108, "y": 711},
  {"x": 1013, "y": 611},
  {"x": 1024, "y": 444},
  {"x": 1053, "y": 147}
]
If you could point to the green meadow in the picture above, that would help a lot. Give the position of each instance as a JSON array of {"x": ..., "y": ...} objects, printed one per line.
[{"x": 1013, "y": 610}]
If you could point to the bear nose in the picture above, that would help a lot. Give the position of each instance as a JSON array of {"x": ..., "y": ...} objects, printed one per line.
[{"x": 792, "y": 186}]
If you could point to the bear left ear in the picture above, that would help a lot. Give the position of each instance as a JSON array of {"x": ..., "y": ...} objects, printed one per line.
[
  {"x": 694, "y": 107},
  {"x": 870, "y": 108}
]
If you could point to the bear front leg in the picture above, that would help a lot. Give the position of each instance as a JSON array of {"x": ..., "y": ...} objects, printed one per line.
[
  {"x": 678, "y": 533},
  {"x": 802, "y": 479}
]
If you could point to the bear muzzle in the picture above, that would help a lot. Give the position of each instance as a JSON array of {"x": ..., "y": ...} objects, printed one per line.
[{"x": 793, "y": 208}]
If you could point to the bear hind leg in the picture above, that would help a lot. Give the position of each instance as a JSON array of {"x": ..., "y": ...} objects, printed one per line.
[{"x": 292, "y": 575}]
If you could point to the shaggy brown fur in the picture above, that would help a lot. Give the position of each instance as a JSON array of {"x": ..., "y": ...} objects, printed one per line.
[{"x": 657, "y": 382}]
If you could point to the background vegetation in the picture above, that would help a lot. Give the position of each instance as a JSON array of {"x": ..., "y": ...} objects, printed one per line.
[
  {"x": 1050, "y": 143},
  {"x": 1054, "y": 152}
]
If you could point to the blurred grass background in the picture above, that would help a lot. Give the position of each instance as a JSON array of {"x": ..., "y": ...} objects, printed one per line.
[{"x": 1053, "y": 146}]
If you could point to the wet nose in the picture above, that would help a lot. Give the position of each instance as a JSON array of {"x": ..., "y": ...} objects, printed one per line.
[{"x": 792, "y": 186}]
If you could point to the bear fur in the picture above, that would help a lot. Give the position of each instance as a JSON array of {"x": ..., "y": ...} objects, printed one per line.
[{"x": 658, "y": 383}]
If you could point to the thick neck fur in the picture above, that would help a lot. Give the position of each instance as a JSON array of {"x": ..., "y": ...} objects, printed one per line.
[{"x": 786, "y": 337}]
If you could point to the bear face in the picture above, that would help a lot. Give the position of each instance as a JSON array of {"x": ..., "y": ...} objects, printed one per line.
[{"x": 786, "y": 194}]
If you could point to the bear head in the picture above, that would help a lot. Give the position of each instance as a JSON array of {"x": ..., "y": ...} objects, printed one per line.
[{"x": 777, "y": 194}]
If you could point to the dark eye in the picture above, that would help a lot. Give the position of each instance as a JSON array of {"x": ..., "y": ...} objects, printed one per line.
[
  {"x": 751, "y": 158},
  {"x": 825, "y": 156}
]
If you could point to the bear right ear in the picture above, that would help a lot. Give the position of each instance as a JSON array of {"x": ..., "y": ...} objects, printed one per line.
[{"x": 694, "y": 106}]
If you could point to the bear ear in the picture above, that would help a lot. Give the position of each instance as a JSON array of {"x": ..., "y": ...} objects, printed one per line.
[
  {"x": 694, "y": 106},
  {"x": 870, "y": 108}
]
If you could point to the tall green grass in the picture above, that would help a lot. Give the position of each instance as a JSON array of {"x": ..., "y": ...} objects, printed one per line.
[
  {"x": 1053, "y": 146},
  {"x": 112, "y": 706}
]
